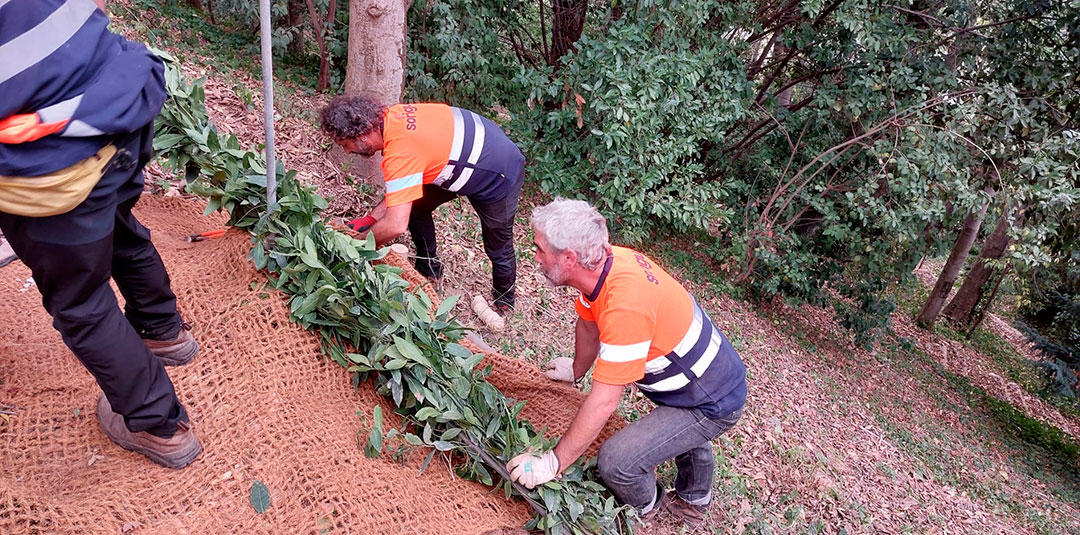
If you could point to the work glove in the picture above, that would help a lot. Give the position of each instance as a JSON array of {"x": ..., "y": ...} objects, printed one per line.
[
  {"x": 560, "y": 369},
  {"x": 362, "y": 224},
  {"x": 531, "y": 470}
]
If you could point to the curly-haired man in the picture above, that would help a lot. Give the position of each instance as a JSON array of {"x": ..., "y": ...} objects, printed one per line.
[{"x": 431, "y": 154}]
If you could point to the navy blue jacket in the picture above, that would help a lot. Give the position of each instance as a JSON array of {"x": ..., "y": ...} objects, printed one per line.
[{"x": 59, "y": 60}]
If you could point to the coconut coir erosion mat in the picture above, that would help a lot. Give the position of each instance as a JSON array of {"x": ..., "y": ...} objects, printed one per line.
[{"x": 264, "y": 403}]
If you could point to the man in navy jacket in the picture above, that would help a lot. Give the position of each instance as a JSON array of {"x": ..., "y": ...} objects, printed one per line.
[{"x": 77, "y": 105}]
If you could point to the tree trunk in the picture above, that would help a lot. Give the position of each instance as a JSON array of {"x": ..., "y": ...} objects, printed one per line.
[
  {"x": 567, "y": 23},
  {"x": 321, "y": 30},
  {"x": 930, "y": 310},
  {"x": 376, "y": 62},
  {"x": 963, "y": 304},
  {"x": 295, "y": 21},
  {"x": 783, "y": 98}
]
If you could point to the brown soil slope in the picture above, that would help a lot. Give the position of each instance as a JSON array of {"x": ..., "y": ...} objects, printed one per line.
[{"x": 265, "y": 406}]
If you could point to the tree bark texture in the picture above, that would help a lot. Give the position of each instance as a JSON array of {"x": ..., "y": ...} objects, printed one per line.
[
  {"x": 930, "y": 310},
  {"x": 294, "y": 20},
  {"x": 959, "y": 310},
  {"x": 567, "y": 23},
  {"x": 376, "y": 63},
  {"x": 376, "y": 48}
]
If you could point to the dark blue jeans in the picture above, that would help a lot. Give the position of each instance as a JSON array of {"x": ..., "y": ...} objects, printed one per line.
[
  {"x": 628, "y": 460},
  {"x": 72, "y": 257}
]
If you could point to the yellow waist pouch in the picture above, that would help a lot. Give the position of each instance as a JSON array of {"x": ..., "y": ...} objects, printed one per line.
[{"x": 54, "y": 193}]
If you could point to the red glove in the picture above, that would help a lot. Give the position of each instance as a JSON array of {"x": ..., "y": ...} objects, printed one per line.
[{"x": 362, "y": 224}]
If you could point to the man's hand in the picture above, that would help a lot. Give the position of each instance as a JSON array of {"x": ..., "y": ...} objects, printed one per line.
[
  {"x": 362, "y": 224},
  {"x": 531, "y": 470},
  {"x": 560, "y": 369}
]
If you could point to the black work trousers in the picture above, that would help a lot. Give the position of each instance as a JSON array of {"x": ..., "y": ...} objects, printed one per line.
[
  {"x": 73, "y": 279},
  {"x": 496, "y": 227}
]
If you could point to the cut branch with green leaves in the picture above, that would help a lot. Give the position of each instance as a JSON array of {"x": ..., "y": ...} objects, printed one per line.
[{"x": 369, "y": 321}]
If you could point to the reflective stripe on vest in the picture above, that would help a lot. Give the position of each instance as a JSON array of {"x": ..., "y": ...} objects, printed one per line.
[{"x": 469, "y": 134}]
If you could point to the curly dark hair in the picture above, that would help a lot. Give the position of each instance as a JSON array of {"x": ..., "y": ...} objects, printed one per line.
[{"x": 349, "y": 116}]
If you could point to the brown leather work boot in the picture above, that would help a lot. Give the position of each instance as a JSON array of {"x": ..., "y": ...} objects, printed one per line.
[
  {"x": 177, "y": 351},
  {"x": 690, "y": 514},
  {"x": 175, "y": 452}
]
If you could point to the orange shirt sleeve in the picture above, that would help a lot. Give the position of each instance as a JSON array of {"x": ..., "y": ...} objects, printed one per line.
[
  {"x": 583, "y": 309},
  {"x": 404, "y": 176}
]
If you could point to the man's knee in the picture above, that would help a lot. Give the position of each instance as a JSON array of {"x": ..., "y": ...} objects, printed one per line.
[{"x": 616, "y": 467}]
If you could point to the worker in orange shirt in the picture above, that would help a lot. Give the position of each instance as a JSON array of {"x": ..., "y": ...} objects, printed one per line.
[
  {"x": 639, "y": 326},
  {"x": 433, "y": 153}
]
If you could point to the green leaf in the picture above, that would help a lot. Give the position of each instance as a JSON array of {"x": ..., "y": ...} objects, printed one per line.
[
  {"x": 458, "y": 350},
  {"x": 358, "y": 358},
  {"x": 446, "y": 306},
  {"x": 375, "y": 439},
  {"x": 427, "y": 461},
  {"x": 411, "y": 352},
  {"x": 493, "y": 426},
  {"x": 260, "y": 497},
  {"x": 427, "y": 412}
]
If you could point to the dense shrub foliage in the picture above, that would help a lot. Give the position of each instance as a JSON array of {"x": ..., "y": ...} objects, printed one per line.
[
  {"x": 825, "y": 146},
  {"x": 818, "y": 148},
  {"x": 1051, "y": 314}
]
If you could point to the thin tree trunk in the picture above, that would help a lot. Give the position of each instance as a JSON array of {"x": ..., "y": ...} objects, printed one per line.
[
  {"x": 376, "y": 59},
  {"x": 981, "y": 314},
  {"x": 783, "y": 97},
  {"x": 943, "y": 287},
  {"x": 295, "y": 21},
  {"x": 321, "y": 30},
  {"x": 567, "y": 23},
  {"x": 963, "y": 304}
]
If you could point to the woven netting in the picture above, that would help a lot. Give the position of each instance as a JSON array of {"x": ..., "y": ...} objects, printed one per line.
[{"x": 264, "y": 403}]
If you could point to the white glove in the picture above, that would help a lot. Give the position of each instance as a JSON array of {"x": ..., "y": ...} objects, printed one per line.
[
  {"x": 531, "y": 470},
  {"x": 560, "y": 369}
]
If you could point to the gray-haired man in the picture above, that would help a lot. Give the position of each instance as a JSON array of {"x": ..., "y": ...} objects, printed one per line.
[{"x": 639, "y": 326}]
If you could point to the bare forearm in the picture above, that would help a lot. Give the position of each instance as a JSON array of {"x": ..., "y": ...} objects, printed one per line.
[
  {"x": 588, "y": 422},
  {"x": 383, "y": 232},
  {"x": 379, "y": 212},
  {"x": 586, "y": 347},
  {"x": 391, "y": 221},
  {"x": 101, "y": 5}
]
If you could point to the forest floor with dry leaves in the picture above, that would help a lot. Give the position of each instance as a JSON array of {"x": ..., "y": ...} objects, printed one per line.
[{"x": 927, "y": 433}]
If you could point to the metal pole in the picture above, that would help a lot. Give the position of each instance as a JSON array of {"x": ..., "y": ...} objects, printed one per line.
[{"x": 268, "y": 101}]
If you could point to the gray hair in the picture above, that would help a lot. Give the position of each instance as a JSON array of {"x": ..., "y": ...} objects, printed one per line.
[{"x": 570, "y": 225}]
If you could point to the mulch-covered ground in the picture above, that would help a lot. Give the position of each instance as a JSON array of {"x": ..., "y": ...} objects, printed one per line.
[{"x": 834, "y": 437}]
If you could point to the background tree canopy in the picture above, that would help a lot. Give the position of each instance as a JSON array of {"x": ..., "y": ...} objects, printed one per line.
[{"x": 818, "y": 149}]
